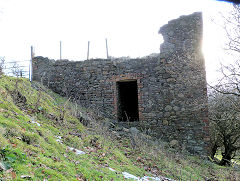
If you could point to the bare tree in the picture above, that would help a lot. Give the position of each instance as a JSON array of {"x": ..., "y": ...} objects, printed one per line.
[
  {"x": 229, "y": 83},
  {"x": 224, "y": 115},
  {"x": 16, "y": 70},
  {"x": 224, "y": 100}
]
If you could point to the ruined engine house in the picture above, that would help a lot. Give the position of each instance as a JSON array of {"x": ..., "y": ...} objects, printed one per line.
[{"x": 166, "y": 94}]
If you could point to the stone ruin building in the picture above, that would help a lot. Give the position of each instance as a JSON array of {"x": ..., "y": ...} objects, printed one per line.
[{"x": 166, "y": 94}]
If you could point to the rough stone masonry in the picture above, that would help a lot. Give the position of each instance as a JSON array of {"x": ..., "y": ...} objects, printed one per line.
[{"x": 166, "y": 94}]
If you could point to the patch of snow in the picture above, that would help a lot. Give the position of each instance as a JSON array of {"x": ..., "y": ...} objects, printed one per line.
[
  {"x": 146, "y": 178},
  {"x": 59, "y": 139},
  {"x": 129, "y": 176},
  {"x": 112, "y": 169},
  {"x": 26, "y": 176},
  {"x": 78, "y": 152},
  {"x": 34, "y": 122}
]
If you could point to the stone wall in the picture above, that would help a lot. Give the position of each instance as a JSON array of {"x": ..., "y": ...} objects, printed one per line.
[{"x": 171, "y": 87}]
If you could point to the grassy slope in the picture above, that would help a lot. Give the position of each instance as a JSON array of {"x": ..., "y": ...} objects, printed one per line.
[{"x": 32, "y": 150}]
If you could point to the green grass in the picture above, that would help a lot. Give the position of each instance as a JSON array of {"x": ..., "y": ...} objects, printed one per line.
[
  {"x": 32, "y": 150},
  {"x": 29, "y": 149}
]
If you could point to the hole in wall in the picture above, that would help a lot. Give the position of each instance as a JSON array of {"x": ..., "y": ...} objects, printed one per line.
[{"x": 127, "y": 101}]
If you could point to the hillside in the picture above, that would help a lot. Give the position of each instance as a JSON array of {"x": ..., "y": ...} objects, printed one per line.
[{"x": 42, "y": 138}]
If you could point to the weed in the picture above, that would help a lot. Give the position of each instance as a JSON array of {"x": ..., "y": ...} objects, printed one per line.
[{"x": 10, "y": 157}]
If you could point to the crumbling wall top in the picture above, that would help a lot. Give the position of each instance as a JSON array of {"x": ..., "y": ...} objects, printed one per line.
[{"x": 182, "y": 34}]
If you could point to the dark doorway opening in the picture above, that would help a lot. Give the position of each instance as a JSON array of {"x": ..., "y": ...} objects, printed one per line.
[{"x": 127, "y": 101}]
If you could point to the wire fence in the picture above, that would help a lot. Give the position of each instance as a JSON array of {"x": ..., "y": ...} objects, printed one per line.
[{"x": 18, "y": 69}]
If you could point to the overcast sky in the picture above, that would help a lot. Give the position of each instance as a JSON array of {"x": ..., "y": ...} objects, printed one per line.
[{"x": 131, "y": 27}]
